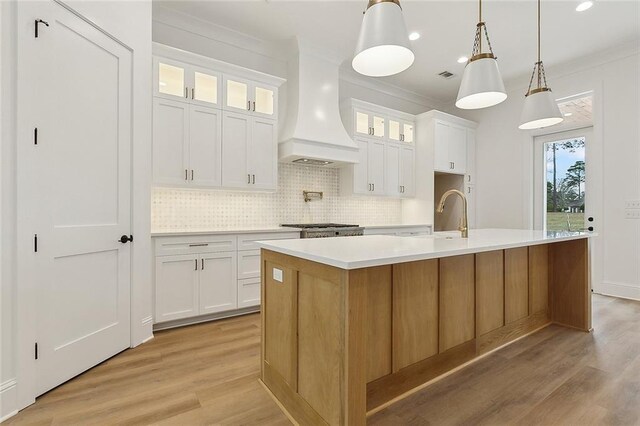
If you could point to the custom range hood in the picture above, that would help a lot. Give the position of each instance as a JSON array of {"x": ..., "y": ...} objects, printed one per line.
[{"x": 313, "y": 131}]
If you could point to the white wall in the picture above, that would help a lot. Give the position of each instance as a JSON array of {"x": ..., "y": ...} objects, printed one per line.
[
  {"x": 505, "y": 158},
  {"x": 130, "y": 23}
]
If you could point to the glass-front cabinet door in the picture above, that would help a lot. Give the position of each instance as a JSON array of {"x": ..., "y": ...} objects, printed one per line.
[
  {"x": 395, "y": 130},
  {"x": 170, "y": 79},
  {"x": 378, "y": 126},
  {"x": 362, "y": 123},
  {"x": 406, "y": 134},
  {"x": 236, "y": 94},
  {"x": 205, "y": 89},
  {"x": 263, "y": 102}
]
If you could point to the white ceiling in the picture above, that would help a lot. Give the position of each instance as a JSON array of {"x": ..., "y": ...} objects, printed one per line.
[{"x": 447, "y": 29}]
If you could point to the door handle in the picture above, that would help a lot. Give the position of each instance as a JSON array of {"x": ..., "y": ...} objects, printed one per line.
[
  {"x": 124, "y": 239},
  {"x": 590, "y": 219},
  {"x": 590, "y": 228}
]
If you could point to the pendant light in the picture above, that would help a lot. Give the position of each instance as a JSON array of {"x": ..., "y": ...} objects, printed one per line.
[
  {"x": 540, "y": 108},
  {"x": 481, "y": 85},
  {"x": 383, "y": 46}
]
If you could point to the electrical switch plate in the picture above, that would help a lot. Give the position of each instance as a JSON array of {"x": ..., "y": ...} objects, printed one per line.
[
  {"x": 277, "y": 274},
  {"x": 632, "y": 214}
]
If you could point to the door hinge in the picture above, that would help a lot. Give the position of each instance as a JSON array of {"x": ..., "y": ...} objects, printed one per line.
[
  {"x": 35, "y": 136},
  {"x": 39, "y": 21},
  {"x": 36, "y": 350},
  {"x": 35, "y": 243}
]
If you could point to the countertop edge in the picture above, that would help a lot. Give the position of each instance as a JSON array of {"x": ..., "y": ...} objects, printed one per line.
[{"x": 415, "y": 257}]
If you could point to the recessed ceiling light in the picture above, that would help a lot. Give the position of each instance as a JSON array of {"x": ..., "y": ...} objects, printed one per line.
[
  {"x": 568, "y": 114},
  {"x": 414, "y": 36},
  {"x": 584, "y": 6},
  {"x": 462, "y": 59}
]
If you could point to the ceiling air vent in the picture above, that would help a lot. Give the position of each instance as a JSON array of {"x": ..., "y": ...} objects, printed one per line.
[{"x": 445, "y": 74}]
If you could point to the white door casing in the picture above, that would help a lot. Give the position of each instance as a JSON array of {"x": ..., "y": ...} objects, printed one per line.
[{"x": 75, "y": 191}]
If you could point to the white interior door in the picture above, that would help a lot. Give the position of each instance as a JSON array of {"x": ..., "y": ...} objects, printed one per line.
[{"x": 80, "y": 190}]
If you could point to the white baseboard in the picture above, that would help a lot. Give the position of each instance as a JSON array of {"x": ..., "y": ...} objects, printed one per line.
[
  {"x": 625, "y": 291},
  {"x": 8, "y": 399}
]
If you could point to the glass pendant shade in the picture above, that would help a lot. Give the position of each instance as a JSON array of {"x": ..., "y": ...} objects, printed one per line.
[
  {"x": 540, "y": 110},
  {"x": 481, "y": 85},
  {"x": 383, "y": 47}
]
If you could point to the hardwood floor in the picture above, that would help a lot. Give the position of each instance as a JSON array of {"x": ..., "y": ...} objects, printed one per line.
[{"x": 208, "y": 374}]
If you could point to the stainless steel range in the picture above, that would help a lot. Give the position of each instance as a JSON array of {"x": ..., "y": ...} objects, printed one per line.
[{"x": 324, "y": 230}]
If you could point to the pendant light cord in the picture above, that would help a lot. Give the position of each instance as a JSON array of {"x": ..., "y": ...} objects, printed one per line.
[
  {"x": 538, "y": 30},
  {"x": 479, "y": 22}
]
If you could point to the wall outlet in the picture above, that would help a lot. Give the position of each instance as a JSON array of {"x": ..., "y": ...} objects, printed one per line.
[
  {"x": 632, "y": 204},
  {"x": 632, "y": 214},
  {"x": 277, "y": 274}
]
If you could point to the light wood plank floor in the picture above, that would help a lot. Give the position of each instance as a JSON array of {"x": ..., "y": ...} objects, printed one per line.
[{"x": 207, "y": 374}]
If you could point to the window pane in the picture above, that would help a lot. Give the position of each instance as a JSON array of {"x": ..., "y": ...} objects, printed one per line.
[
  {"x": 565, "y": 185},
  {"x": 394, "y": 130},
  {"x": 408, "y": 132},
  {"x": 378, "y": 126},
  {"x": 170, "y": 80}
]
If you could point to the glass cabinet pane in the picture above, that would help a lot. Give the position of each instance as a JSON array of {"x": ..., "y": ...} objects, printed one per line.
[
  {"x": 237, "y": 94},
  {"x": 171, "y": 80},
  {"x": 378, "y": 126},
  {"x": 206, "y": 88},
  {"x": 362, "y": 123},
  {"x": 394, "y": 130},
  {"x": 264, "y": 101},
  {"x": 407, "y": 132}
]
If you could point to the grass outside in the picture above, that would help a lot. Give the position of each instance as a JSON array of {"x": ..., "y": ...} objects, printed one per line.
[{"x": 565, "y": 221}]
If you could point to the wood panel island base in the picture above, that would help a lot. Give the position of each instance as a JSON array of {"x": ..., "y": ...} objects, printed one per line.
[{"x": 352, "y": 324}]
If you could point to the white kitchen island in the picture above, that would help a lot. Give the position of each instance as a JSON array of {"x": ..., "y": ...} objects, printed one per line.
[{"x": 351, "y": 324}]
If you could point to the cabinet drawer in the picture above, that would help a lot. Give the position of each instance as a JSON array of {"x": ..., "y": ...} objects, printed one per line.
[
  {"x": 166, "y": 246},
  {"x": 249, "y": 264},
  {"x": 248, "y": 241},
  {"x": 248, "y": 292}
]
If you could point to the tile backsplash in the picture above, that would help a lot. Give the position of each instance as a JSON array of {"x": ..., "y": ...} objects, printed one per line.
[{"x": 195, "y": 209}]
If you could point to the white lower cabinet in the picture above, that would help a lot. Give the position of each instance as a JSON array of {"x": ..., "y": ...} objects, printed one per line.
[
  {"x": 217, "y": 282},
  {"x": 208, "y": 274},
  {"x": 176, "y": 287}
]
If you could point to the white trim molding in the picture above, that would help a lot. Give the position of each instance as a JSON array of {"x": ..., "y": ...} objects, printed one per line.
[
  {"x": 8, "y": 399},
  {"x": 622, "y": 290}
]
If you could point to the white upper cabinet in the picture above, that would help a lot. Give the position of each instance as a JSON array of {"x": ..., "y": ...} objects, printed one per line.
[
  {"x": 182, "y": 81},
  {"x": 214, "y": 124},
  {"x": 250, "y": 97},
  {"x": 250, "y": 160},
  {"x": 450, "y": 155},
  {"x": 399, "y": 171},
  {"x": 385, "y": 167},
  {"x": 170, "y": 142}
]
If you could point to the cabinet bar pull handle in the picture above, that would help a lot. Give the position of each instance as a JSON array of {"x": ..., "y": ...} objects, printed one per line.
[
  {"x": 186, "y": 92},
  {"x": 193, "y": 93},
  {"x": 196, "y": 264},
  {"x": 374, "y": 186},
  {"x": 191, "y": 174},
  {"x": 254, "y": 179},
  {"x": 254, "y": 105},
  {"x": 186, "y": 174},
  {"x": 248, "y": 105},
  {"x": 202, "y": 264},
  {"x": 199, "y": 245},
  {"x": 248, "y": 178}
]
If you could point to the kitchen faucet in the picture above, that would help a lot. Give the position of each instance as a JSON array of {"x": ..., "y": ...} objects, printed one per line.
[{"x": 464, "y": 224}]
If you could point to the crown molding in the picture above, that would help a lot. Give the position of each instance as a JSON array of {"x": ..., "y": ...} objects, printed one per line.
[
  {"x": 578, "y": 65},
  {"x": 200, "y": 27},
  {"x": 350, "y": 76}
]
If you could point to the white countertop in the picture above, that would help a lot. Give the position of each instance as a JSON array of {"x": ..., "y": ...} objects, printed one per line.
[
  {"x": 376, "y": 250},
  {"x": 221, "y": 231}
]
